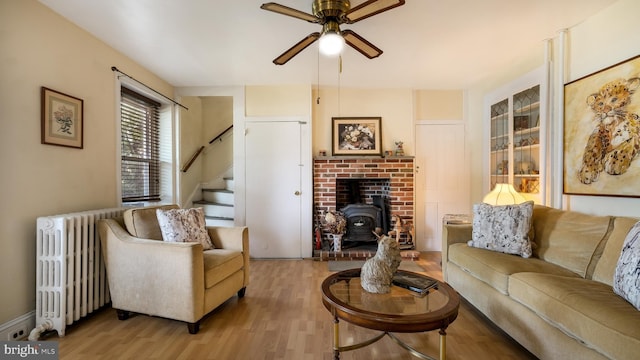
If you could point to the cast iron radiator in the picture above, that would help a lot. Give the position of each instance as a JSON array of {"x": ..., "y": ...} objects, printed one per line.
[{"x": 71, "y": 279}]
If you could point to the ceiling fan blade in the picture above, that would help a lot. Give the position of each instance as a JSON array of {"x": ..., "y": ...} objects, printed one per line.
[
  {"x": 370, "y": 8},
  {"x": 285, "y": 10},
  {"x": 359, "y": 43},
  {"x": 295, "y": 49}
]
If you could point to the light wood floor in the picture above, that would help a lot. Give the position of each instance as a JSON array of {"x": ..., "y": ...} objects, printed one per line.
[{"x": 281, "y": 317}]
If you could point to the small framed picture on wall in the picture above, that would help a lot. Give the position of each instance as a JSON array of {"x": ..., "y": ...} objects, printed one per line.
[{"x": 62, "y": 119}]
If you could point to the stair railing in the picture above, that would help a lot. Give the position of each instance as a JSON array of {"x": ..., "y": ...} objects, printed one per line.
[{"x": 197, "y": 153}]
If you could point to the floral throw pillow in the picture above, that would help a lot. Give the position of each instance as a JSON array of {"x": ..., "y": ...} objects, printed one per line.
[
  {"x": 626, "y": 279},
  {"x": 184, "y": 225},
  {"x": 503, "y": 228}
]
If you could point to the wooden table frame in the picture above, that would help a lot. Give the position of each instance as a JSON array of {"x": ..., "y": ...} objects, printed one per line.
[{"x": 388, "y": 324}]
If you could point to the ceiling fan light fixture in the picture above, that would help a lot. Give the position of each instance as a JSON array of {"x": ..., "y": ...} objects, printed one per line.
[
  {"x": 331, "y": 40},
  {"x": 331, "y": 44}
]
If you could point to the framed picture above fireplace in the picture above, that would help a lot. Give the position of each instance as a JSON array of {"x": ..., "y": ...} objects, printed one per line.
[{"x": 356, "y": 136}]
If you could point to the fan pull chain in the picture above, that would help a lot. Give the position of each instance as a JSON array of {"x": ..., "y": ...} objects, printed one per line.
[
  {"x": 339, "y": 84},
  {"x": 318, "y": 86}
]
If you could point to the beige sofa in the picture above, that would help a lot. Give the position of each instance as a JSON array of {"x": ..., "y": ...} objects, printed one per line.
[
  {"x": 559, "y": 303},
  {"x": 178, "y": 281}
]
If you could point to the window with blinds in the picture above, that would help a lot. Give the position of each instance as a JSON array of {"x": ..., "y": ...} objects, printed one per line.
[{"x": 140, "y": 173}]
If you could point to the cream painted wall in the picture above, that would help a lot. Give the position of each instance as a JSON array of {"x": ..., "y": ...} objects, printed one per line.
[
  {"x": 40, "y": 48},
  {"x": 439, "y": 104},
  {"x": 191, "y": 138},
  {"x": 280, "y": 100},
  {"x": 395, "y": 106},
  {"x": 217, "y": 115}
]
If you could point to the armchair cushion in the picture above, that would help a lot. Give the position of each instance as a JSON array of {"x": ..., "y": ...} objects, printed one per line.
[
  {"x": 184, "y": 225},
  {"x": 143, "y": 223},
  {"x": 220, "y": 264}
]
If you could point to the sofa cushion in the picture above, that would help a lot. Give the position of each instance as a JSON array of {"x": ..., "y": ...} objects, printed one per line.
[
  {"x": 219, "y": 264},
  {"x": 626, "y": 281},
  {"x": 606, "y": 265},
  {"x": 502, "y": 228},
  {"x": 494, "y": 268},
  {"x": 584, "y": 309},
  {"x": 568, "y": 238},
  {"x": 184, "y": 225},
  {"x": 143, "y": 223}
]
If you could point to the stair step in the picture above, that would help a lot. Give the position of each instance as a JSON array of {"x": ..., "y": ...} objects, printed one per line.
[
  {"x": 205, "y": 202},
  {"x": 218, "y": 217},
  {"x": 218, "y": 221},
  {"x": 229, "y": 184},
  {"x": 226, "y": 191},
  {"x": 219, "y": 196},
  {"x": 215, "y": 209}
]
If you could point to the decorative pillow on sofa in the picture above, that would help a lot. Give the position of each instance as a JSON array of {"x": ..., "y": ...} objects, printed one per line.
[
  {"x": 626, "y": 280},
  {"x": 184, "y": 225},
  {"x": 503, "y": 228}
]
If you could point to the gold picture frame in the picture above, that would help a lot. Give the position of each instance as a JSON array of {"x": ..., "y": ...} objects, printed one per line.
[
  {"x": 62, "y": 119},
  {"x": 356, "y": 136},
  {"x": 601, "y": 128}
]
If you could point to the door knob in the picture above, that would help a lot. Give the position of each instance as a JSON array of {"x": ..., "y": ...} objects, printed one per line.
[{"x": 297, "y": 193}]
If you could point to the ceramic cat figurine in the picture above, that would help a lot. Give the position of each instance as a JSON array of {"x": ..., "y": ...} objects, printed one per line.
[{"x": 377, "y": 272}]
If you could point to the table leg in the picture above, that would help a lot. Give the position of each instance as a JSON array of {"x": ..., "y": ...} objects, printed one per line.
[
  {"x": 336, "y": 338},
  {"x": 443, "y": 344}
]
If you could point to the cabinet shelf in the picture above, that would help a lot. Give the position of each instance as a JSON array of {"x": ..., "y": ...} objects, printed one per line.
[
  {"x": 534, "y": 147},
  {"x": 526, "y": 109},
  {"x": 532, "y": 130},
  {"x": 500, "y": 117}
]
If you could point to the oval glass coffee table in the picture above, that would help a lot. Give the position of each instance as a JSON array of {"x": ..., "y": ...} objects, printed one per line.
[{"x": 399, "y": 311}]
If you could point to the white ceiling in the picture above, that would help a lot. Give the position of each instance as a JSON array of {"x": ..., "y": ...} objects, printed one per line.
[{"x": 427, "y": 44}]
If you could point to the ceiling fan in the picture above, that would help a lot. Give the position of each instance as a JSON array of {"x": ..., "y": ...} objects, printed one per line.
[{"x": 331, "y": 14}]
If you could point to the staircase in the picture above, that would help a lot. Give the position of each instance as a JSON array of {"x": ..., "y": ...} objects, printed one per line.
[{"x": 218, "y": 205}]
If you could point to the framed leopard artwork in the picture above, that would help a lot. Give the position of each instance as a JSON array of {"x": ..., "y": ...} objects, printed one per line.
[{"x": 602, "y": 132}]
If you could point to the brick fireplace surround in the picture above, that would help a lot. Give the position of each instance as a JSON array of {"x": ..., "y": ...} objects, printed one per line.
[{"x": 328, "y": 169}]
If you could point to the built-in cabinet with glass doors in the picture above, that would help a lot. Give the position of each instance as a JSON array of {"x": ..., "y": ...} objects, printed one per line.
[{"x": 516, "y": 136}]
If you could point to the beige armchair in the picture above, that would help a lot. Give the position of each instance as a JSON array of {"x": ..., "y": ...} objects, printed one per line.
[{"x": 177, "y": 281}]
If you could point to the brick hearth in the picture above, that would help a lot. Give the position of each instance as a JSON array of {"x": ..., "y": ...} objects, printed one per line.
[
  {"x": 398, "y": 171},
  {"x": 360, "y": 254}
]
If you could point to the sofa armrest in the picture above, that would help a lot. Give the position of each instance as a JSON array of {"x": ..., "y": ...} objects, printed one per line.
[
  {"x": 453, "y": 234},
  {"x": 153, "y": 277},
  {"x": 233, "y": 238},
  {"x": 456, "y": 233}
]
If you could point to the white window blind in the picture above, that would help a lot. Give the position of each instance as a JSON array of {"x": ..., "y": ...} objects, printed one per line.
[{"x": 140, "y": 173}]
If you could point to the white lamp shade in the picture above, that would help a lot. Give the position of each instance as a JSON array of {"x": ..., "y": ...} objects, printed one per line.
[
  {"x": 331, "y": 44},
  {"x": 503, "y": 194}
]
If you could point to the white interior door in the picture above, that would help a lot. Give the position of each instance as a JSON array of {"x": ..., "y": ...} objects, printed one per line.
[
  {"x": 442, "y": 180},
  {"x": 273, "y": 187}
]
